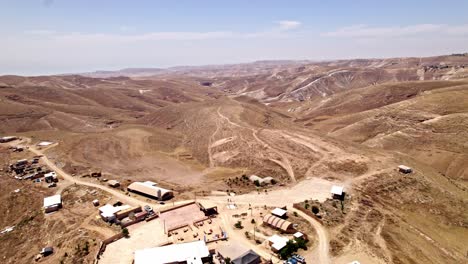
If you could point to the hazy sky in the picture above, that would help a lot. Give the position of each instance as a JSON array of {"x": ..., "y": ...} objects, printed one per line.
[{"x": 44, "y": 37}]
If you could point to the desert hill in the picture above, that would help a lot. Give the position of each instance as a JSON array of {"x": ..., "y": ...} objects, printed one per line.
[{"x": 202, "y": 129}]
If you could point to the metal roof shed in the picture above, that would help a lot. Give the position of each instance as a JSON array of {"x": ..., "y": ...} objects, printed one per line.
[{"x": 279, "y": 212}]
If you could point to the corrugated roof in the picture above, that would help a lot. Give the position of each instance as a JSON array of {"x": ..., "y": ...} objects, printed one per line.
[
  {"x": 148, "y": 189},
  {"x": 52, "y": 200},
  {"x": 277, "y": 222},
  {"x": 191, "y": 252}
]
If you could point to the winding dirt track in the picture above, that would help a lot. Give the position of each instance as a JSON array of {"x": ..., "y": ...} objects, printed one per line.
[{"x": 284, "y": 162}]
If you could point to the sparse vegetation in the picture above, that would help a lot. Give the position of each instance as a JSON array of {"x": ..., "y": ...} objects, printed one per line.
[
  {"x": 125, "y": 232},
  {"x": 238, "y": 225}
]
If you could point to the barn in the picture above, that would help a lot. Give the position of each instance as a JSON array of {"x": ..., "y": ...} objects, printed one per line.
[
  {"x": 150, "y": 190},
  {"x": 278, "y": 223}
]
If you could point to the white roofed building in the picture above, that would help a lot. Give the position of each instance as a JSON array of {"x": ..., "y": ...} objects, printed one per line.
[
  {"x": 337, "y": 191},
  {"x": 279, "y": 212},
  {"x": 191, "y": 253},
  {"x": 404, "y": 169},
  {"x": 277, "y": 242},
  {"x": 108, "y": 211},
  {"x": 7, "y": 139},
  {"x": 52, "y": 203},
  {"x": 150, "y": 189}
]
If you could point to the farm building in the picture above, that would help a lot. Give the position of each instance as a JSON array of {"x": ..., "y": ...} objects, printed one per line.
[
  {"x": 260, "y": 180},
  {"x": 192, "y": 252},
  {"x": 208, "y": 208},
  {"x": 50, "y": 177},
  {"x": 44, "y": 143},
  {"x": 107, "y": 212},
  {"x": 126, "y": 212},
  {"x": 277, "y": 242},
  {"x": 300, "y": 235},
  {"x": 279, "y": 212},
  {"x": 268, "y": 180},
  {"x": 113, "y": 183},
  {"x": 404, "y": 169},
  {"x": 278, "y": 223},
  {"x": 337, "y": 192},
  {"x": 52, "y": 203},
  {"x": 149, "y": 189},
  {"x": 7, "y": 139},
  {"x": 238, "y": 254}
]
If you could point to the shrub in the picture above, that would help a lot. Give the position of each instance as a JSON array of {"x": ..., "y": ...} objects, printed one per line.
[
  {"x": 315, "y": 209},
  {"x": 253, "y": 221},
  {"x": 125, "y": 232},
  {"x": 306, "y": 206},
  {"x": 238, "y": 225},
  {"x": 295, "y": 214},
  {"x": 288, "y": 250},
  {"x": 257, "y": 183},
  {"x": 247, "y": 235}
]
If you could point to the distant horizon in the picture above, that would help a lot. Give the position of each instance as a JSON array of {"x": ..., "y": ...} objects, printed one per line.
[
  {"x": 226, "y": 64},
  {"x": 47, "y": 37}
]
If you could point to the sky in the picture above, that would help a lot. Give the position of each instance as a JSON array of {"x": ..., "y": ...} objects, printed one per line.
[{"x": 63, "y": 36}]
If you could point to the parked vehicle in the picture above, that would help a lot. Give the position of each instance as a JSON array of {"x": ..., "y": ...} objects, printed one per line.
[
  {"x": 299, "y": 258},
  {"x": 148, "y": 209}
]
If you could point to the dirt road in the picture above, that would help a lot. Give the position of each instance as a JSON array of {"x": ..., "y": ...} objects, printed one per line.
[{"x": 322, "y": 250}]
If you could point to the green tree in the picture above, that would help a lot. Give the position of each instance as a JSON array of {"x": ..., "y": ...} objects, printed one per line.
[
  {"x": 288, "y": 250},
  {"x": 125, "y": 232},
  {"x": 315, "y": 209}
]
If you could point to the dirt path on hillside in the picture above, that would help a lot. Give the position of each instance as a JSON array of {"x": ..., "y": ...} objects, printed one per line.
[
  {"x": 283, "y": 163},
  {"x": 210, "y": 145}
]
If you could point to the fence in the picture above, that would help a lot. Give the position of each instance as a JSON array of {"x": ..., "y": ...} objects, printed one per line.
[
  {"x": 307, "y": 212},
  {"x": 104, "y": 243}
]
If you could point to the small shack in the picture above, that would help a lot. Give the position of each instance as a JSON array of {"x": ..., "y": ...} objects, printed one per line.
[
  {"x": 52, "y": 203},
  {"x": 279, "y": 212},
  {"x": 404, "y": 169},
  {"x": 113, "y": 183},
  {"x": 299, "y": 235},
  {"x": 337, "y": 192},
  {"x": 50, "y": 177},
  {"x": 208, "y": 208}
]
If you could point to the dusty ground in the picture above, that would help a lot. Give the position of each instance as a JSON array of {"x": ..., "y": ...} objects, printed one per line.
[
  {"x": 309, "y": 126},
  {"x": 74, "y": 237}
]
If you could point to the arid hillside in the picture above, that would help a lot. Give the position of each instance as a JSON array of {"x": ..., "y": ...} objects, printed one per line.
[{"x": 308, "y": 125}]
